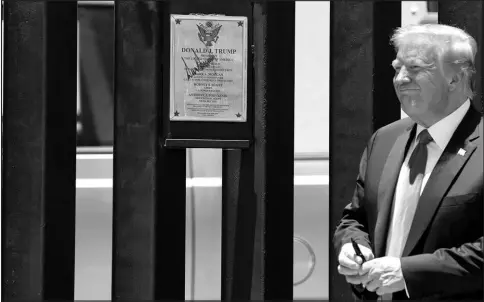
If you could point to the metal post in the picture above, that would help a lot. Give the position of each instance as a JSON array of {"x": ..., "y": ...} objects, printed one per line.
[
  {"x": 239, "y": 214},
  {"x": 361, "y": 101},
  {"x": 274, "y": 42},
  {"x": 468, "y": 16},
  {"x": 39, "y": 151},
  {"x": 149, "y": 180}
]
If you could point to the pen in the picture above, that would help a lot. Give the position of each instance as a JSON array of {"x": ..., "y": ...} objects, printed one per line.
[
  {"x": 357, "y": 250},
  {"x": 360, "y": 254}
]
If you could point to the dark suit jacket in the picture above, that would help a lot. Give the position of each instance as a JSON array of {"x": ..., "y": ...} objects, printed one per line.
[{"x": 443, "y": 256}]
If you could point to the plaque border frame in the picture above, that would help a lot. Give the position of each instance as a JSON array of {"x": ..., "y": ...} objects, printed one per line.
[{"x": 214, "y": 17}]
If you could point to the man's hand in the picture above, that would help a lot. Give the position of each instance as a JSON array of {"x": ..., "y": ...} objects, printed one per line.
[
  {"x": 350, "y": 264},
  {"x": 383, "y": 275}
]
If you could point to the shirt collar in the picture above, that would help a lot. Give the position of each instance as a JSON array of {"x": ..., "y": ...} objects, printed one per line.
[{"x": 443, "y": 130}]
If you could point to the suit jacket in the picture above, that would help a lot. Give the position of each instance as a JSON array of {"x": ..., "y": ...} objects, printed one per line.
[{"x": 443, "y": 257}]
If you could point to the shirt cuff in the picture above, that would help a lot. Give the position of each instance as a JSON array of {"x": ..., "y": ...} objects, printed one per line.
[{"x": 404, "y": 283}]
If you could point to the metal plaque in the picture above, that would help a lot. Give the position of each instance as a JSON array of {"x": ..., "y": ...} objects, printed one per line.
[{"x": 208, "y": 68}]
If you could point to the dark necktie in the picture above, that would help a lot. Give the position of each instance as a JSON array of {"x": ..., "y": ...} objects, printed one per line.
[
  {"x": 405, "y": 210},
  {"x": 418, "y": 160}
]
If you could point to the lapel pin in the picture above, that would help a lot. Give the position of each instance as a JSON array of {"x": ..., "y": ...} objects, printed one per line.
[{"x": 462, "y": 152}]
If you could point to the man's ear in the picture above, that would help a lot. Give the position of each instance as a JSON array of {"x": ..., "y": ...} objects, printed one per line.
[{"x": 455, "y": 80}]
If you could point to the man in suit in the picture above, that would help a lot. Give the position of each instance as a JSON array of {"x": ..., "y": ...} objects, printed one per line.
[{"x": 416, "y": 212}]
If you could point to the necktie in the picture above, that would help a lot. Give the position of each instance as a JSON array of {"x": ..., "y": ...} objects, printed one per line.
[
  {"x": 418, "y": 160},
  {"x": 405, "y": 211}
]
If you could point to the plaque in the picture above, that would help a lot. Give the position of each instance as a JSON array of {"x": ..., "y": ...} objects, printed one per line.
[{"x": 208, "y": 68}]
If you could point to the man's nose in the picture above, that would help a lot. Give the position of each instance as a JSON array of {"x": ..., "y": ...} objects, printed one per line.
[{"x": 402, "y": 76}]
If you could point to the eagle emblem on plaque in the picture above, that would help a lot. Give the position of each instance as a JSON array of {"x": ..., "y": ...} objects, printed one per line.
[{"x": 208, "y": 33}]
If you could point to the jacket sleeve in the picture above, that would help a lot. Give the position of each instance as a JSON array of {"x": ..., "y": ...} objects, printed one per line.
[
  {"x": 353, "y": 223},
  {"x": 448, "y": 271}
]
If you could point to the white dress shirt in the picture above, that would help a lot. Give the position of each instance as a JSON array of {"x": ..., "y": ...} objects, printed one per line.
[{"x": 441, "y": 133}]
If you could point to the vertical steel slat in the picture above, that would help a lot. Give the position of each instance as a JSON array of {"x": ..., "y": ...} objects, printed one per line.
[
  {"x": 467, "y": 15},
  {"x": 361, "y": 101},
  {"x": 38, "y": 225},
  {"x": 149, "y": 180},
  {"x": 274, "y": 44}
]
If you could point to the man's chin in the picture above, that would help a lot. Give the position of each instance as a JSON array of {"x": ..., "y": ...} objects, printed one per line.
[
  {"x": 412, "y": 112},
  {"x": 410, "y": 105}
]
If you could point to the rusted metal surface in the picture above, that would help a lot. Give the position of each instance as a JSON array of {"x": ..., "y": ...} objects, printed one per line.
[
  {"x": 468, "y": 16},
  {"x": 362, "y": 100},
  {"x": 39, "y": 151},
  {"x": 149, "y": 180}
]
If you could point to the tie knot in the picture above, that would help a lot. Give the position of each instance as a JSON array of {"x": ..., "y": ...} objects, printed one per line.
[{"x": 424, "y": 137}]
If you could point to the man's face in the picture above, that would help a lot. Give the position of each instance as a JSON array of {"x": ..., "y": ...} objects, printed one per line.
[{"x": 420, "y": 83}]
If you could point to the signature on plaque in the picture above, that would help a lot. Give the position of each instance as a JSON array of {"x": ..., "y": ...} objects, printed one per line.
[
  {"x": 201, "y": 65},
  {"x": 208, "y": 34}
]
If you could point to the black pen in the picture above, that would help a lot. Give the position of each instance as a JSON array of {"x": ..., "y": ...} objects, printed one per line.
[{"x": 357, "y": 250}]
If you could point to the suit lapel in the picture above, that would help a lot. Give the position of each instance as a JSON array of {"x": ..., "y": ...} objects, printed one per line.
[
  {"x": 446, "y": 169},
  {"x": 386, "y": 187}
]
